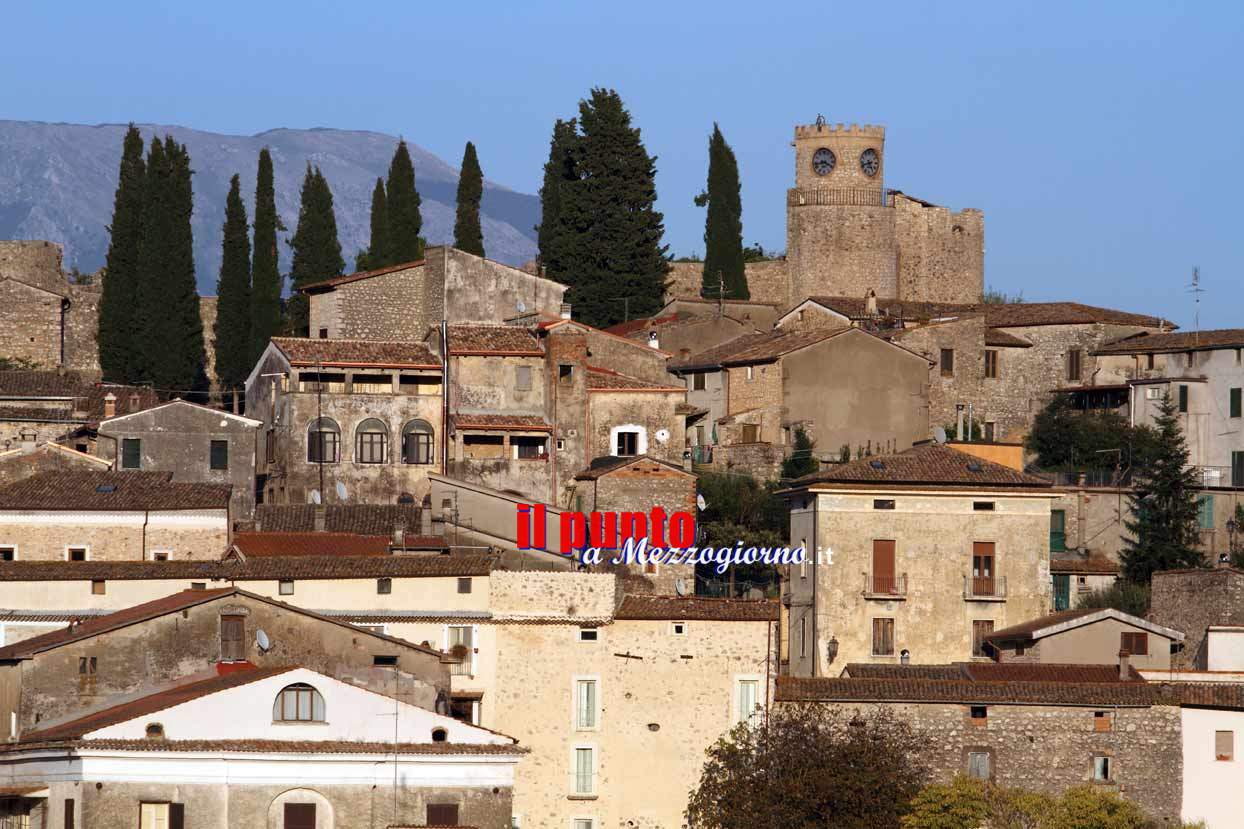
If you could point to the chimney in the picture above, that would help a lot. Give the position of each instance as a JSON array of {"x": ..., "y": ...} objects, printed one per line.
[
  {"x": 425, "y": 520},
  {"x": 399, "y": 534},
  {"x": 110, "y": 405},
  {"x": 870, "y": 303},
  {"x": 565, "y": 311},
  {"x": 1125, "y": 665},
  {"x": 653, "y": 342},
  {"x": 319, "y": 518}
]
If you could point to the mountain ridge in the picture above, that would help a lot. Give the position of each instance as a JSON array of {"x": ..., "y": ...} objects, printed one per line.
[{"x": 57, "y": 181}]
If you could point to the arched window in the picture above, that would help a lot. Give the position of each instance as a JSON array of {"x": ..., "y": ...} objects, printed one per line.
[
  {"x": 371, "y": 442},
  {"x": 439, "y": 735},
  {"x": 323, "y": 441},
  {"x": 298, "y": 703},
  {"x": 417, "y": 442}
]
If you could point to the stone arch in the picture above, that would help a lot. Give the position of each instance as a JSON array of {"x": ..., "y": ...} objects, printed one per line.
[{"x": 324, "y": 818}]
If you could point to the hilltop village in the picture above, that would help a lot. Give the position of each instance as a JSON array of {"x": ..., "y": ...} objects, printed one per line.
[{"x": 297, "y": 598}]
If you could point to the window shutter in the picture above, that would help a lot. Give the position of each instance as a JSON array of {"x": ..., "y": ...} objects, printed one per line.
[
  {"x": 176, "y": 816},
  {"x": 1224, "y": 745},
  {"x": 442, "y": 814}
]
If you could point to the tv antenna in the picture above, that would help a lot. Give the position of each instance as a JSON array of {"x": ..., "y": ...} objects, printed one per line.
[{"x": 1196, "y": 290}]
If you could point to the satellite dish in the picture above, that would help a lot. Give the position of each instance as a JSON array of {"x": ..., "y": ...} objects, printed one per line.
[
  {"x": 663, "y": 435},
  {"x": 315, "y": 496},
  {"x": 700, "y": 502},
  {"x": 261, "y": 639},
  {"x": 341, "y": 490},
  {"x": 680, "y": 587},
  {"x": 939, "y": 434},
  {"x": 522, "y": 306}
]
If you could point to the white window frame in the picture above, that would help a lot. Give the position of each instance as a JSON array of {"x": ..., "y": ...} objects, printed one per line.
[
  {"x": 474, "y": 641},
  {"x": 574, "y": 771},
  {"x": 641, "y": 439},
  {"x": 578, "y": 636},
  {"x": 574, "y": 702},
  {"x": 86, "y": 547},
  {"x": 168, "y": 553},
  {"x": 14, "y": 548},
  {"x": 736, "y": 687},
  {"x": 281, "y": 583},
  {"x": 674, "y": 631},
  {"x": 751, "y": 374},
  {"x": 591, "y": 822}
]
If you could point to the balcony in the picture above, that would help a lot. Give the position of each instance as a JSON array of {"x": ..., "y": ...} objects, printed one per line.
[
  {"x": 984, "y": 588},
  {"x": 1218, "y": 476},
  {"x": 887, "y": 587},
  {"x": 862, "y": 197}
]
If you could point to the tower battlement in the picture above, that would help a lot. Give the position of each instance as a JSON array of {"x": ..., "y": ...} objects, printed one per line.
[{"x": 827, "y": 129}]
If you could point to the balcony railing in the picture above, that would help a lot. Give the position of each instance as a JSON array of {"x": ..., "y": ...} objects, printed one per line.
[
  {"x": 853, "y": 196},
  {"x": 885, "y": 586},
  {"x": 988, "y": 588},
  {"x": 1218, "y": 476}
]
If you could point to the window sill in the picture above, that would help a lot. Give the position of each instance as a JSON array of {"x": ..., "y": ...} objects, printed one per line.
[
  {"x": 300, "y": 722},
  {"x": 582, "y": 796},
  {"x": 884, "y": 597},
  {"x": 984, "y": 598}
]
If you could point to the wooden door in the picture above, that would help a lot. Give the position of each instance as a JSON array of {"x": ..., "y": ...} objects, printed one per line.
[
  {"x": 299, "y": 816},
  {"x": 982, "y": 568},
  {"x": 883, "y": 567},
  {"x": 442, "y": 814}
]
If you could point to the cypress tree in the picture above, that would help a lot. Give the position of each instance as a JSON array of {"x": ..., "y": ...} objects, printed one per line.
[
  {"x": 1163, "y": 530},
  {"x": 378, "y": 255},
  {"x": 266, "y": 281},
  {"x": 559, "y": 171},
  {"x": 232, "y": 334},
  {"x": 468, "y": 236},
  {"x": 151, "y": 255},
  {"x": 117, "y": 334},
  {"x": 724, "y": 273},
  {"x": 615, "y": 261},
  {"x": 317, "y": 252},
  {"x": 405, "y": 221}
]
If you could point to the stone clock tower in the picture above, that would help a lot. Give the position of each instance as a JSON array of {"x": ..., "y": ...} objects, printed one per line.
[{"x": 846, "y": 234}]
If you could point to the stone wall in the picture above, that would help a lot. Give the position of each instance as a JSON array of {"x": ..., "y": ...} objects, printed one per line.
[
  {"x": 1049, "y": 749},
  {"x": 634, "y": 358},
  {"x": 31, "y": 326},
  {"x": 116, "y": 536},
  {"x": 401, "y": 304},
  {"x": 481, "y": 290},
  {"x": 839, "y": 249},
  {"x": 766, "y": 281},
  {"x": 516, "y": 594},
  {"x": 19, "y": 464},
  {"x": 941, "y": 255},
  {"x": 652, "y": 412},
  {"x": 967, "y": 383},
  {"x": 1192, "y": 600},
  {"x": 762, "y": 461}
]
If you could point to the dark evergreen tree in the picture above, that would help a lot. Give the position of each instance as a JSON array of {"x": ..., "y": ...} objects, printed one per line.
[
  {"x": 317, "y": 252},
  {"x": 559, "y": 171},
  {"x": 802, "y": 459},
  {"x": 118, "y": 335},
  {"x": 377, "y": 254},
  {"x": 266, "y": 280},
  {"x": 232, "y": 334},
  {"x": 468, "y": 235},
  {"x": 724, "y": 274},
  {"x": 171, "y": 330},
  {"x": 615, "y": 263},
  {"x": 405, "y": 221},
  {"x": 1163, "y": 528}
]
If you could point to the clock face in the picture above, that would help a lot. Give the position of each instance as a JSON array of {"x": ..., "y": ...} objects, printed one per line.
[
  {"x": 869, "y": 162},
  {"x": 823, "y": 161}
]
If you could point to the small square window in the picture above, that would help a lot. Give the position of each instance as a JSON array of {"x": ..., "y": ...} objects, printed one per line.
[
  {"x": 588, "y": 634},
  {"x": 1102, "y": 769},
  {"x": 883, "y": 503},
  {"x": 980, "y": 765},
  {"x": 131, "y": 453},
  {"x": 947, "y": 360},
  {"x": 983, "y": 506},
  {"x": 464, "y": 584},
  {"x": 87, "y": 665},
  {"x": 561, "y": 445},
  {"x": 384, "y": 586},
  {"x": 98, "y": 587},
  {"x": 1224, "y": 746},
  {"x": 565, "y": 372},
  {"x": 323, "y": 333},
  {"x": 198, "y": 585},
  {"x": 697, "y": 381},
  {"x": 384, "y": 660},
  {"x": 8, "y": 553},
  {"x": 751, "y": 373},
  {"x": 678, "y": 628},
  {"x": 285, "y": 587},
  {"x": 75, "y": 554},
  {"x": 219, "y": 454},
  {"x": 160, "y": 556},
  {"x": 979, "y": 714}
]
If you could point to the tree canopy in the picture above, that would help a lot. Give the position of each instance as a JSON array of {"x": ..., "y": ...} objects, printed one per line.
[
  {"x": 468, "y": 235},
  {"x": 723, "y": 274}
]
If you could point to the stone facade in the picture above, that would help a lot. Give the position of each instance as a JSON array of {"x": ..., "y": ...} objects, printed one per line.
[
  {"x": 766, "y": 281},
  {"x": 115, "y": 536},
  {"x": 19, "y": 464},
  {"x": 1193, "y": 600}
]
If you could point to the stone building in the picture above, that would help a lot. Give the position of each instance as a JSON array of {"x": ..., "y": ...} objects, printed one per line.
[
  {"x": 193, "y": 634},
  {"x": 196, "y": 444},
  {"x": 1208, "y": 606},
  {"x": 346, "y": 420},
  {"x": 841, "y": 386},
  {"x": 61, "y": 406},
  {"x": 1039, "y": 727},
  {"x": 112, "y": 516},
  {"x": 280, "y": 746},
  {"x": 919, "y": 555},
  {"x": 404, "y": 301},
  {"x": 1087, "y": 636},
  {"x": 1203, "y": 372},
  {"x": 30, "y": 459}
]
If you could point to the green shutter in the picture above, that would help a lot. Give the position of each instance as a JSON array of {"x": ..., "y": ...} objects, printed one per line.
[{"x": 1205, "y": 512}]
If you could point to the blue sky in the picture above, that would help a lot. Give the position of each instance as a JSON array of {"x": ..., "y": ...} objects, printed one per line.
[{"x": 1104, "y": 141}]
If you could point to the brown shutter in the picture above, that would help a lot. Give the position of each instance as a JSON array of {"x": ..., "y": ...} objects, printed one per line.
[
  {"x": 232, "y": 638},
  {"x": 176, "y": 816},
  {"x": 69, "y": 821},
  {"x": 299, "y": 816},
  {"x": 442, "y": 814},
  {"x": 982, "y": 568},
  {"x": 883, "y": 566}
]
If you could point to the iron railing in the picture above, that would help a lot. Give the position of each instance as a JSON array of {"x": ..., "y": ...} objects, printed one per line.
[
  {"x": 984, "y": 587},
  {"x": 885, "y": 585},
  {"x": 851, "y": 196}
]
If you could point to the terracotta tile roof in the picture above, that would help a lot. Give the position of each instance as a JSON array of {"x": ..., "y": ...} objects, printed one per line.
[
  {"x": 1004, "y": 339},
  {"x": 603, "y": 466},
  {"x": 41, "y": 384},
  {"x": 112, "y": 621},
  {"x": 358, "y": 519},
  {"x": 678, "y": 608},
  {"x": 1183, "y": 341},
  {"x": 1064, "y": 620},
  {"x": 19, "y": 791},
  {"x": 712, "y": 357},
  {"x": 855, "y": 308},
  {"x": 929, "y": 464},
  {"x": 967, "y": 691},
  {"x": 625, "y": 329},
  {"x": 1025, "y": 314},
  {"x": 86, "y": 399},
  {"x": 89, "y": 490},
  {"x": 1093, "y": 565},
  {"x": 314, "y": 747},
  {"x": 868, "y": 670},
  {"x": 259, "y": 568},
  {"x": 511, "y": 340},
  {"x": 78, "y": 728},
  {"x": 528, "y": 423},
  {"x": 39, "y": 413},
  {"x": 1025, "y": 630},
  {"x": 991, "y": 672},
  {"x": 327, "y": 284},
  {"x": 311, "y": 544},
  {"x": 602, "y": 379},
  {"x": 305, "y": 352}
]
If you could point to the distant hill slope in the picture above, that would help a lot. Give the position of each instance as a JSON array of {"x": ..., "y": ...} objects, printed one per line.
[{"x": 57, "y": 182}]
